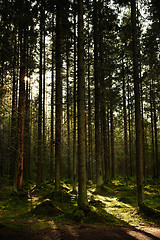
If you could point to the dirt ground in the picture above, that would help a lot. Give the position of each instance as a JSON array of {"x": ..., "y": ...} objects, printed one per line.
[{"x": 78, "y": 232}]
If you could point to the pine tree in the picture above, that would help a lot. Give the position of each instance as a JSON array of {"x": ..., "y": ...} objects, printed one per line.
[{"x": 82, "y": 189}]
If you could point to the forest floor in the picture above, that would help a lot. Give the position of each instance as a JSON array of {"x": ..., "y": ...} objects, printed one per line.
[{"x": 112, "y": 213}]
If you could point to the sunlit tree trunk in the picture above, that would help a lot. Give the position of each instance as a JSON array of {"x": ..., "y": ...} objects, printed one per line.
[
  {"x": 21, "y": 109},
  {"x": 27, "y": 122}
]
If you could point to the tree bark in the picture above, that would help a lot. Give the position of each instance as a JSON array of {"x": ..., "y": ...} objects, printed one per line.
[
  {"x": 58, "y": 126},
  {"x": 21, "y": 110},
  {"x": 39, "y": 161},
  {"x": 125, "y": 123},
  {"x": 68, "y": 117},
  {"x": 52, "y": 110},
  {"x": 156, "y": 140},
  {"x": 82, "y": 188},
  {"x": 74, "y": 109},
  {"x": 113, "y": 169},
  {"x": 138, "y": 117},
  {"x": 44, "y": 97},
  {"x": 99, "y": 175}
]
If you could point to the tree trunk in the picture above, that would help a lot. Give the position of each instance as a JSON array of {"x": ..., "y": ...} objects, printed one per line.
[
  {"x": 13, "y": 165},
  {"x": 113, "y": 170},
  {"x": 44, "y": 99},
  {"x": 156, "y": 140},
  {"x": 68, "y": 118},
  {"x": 138, "y": 117},
  {"x": 39, "y": 161},
  {"x": 130, "y": 135},
  {"x": 125, "y": 123},
  {"x": 99, "y": 175},
  {"x": 82, "y": 188},
  {"x": 58, "y": 126},
  {"x": 52, "y": 111},
  {"x": 89, "y": 118},
  {"x": 74, "y": 110},
  {"x": 21, "y": 110}
]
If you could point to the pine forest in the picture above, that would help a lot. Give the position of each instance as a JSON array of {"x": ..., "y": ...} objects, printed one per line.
[{"x": 80, "y": 112}]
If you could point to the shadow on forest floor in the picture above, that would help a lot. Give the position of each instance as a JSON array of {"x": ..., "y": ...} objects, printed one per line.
[{"x": 114, "y": 204}]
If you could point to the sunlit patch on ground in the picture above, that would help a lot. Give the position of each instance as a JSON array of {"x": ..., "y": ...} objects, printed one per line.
[{"x": 119, "y": 209}]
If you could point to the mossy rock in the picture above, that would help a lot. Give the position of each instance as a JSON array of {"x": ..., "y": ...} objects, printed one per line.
[
  {"x": 47, "y": 208},
  {"x": 79, "y": 215}
]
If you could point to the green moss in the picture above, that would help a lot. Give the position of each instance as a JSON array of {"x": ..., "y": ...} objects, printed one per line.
[{"x": 47, "y": 208}]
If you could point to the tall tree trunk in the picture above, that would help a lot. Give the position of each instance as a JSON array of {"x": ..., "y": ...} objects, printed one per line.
[
  {"x": 82, "y": 188},
  {"x": 13, "y": 165},
  {"x": 74, "y": 110},
  {"x": 68, "y": 117},
  {"x": 130, "y": 135},
  {"x": 44, "y": 100},
  {"x": 152, "y": 132},
  {"x": 26, "y": 137},
  {"x": 27, "y": 123},
  {"x": 58, "y": 126},
  {"x": 21, "y": 109},
  {"x": 52, "y": 109},
  {"x": 108, "y": 143},
  {"x": 39, "y": 162},
  {"x": 103, "y": 106},
  {"x": 99, "y": 175},
  {"x": 89, "y": 119},
  {"x": 125, "y": 123},
  {"x": 113, "y": 169},
  {"x": 143, "y": 129},
  {"x": 156, "y": 140},
  {"x": 138, "y": 117}
]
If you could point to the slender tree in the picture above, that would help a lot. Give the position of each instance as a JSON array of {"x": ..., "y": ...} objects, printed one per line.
[
  {"x": 82, "y": 189},
  {"x": 125, "y": 123},
  {"x": 75, "y": 106},
  {"x": 52, "y": 106},
  {"x": 99, "y": 175},
  {"x": 58, "y": 124},
  {"x": 138, "y": 118},
  {"x": 21, "y": 108},
  {"x": 39, "y": 162}
]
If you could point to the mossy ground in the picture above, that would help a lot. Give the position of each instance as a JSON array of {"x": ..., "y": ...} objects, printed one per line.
[{"x": 115, "y": 203}]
